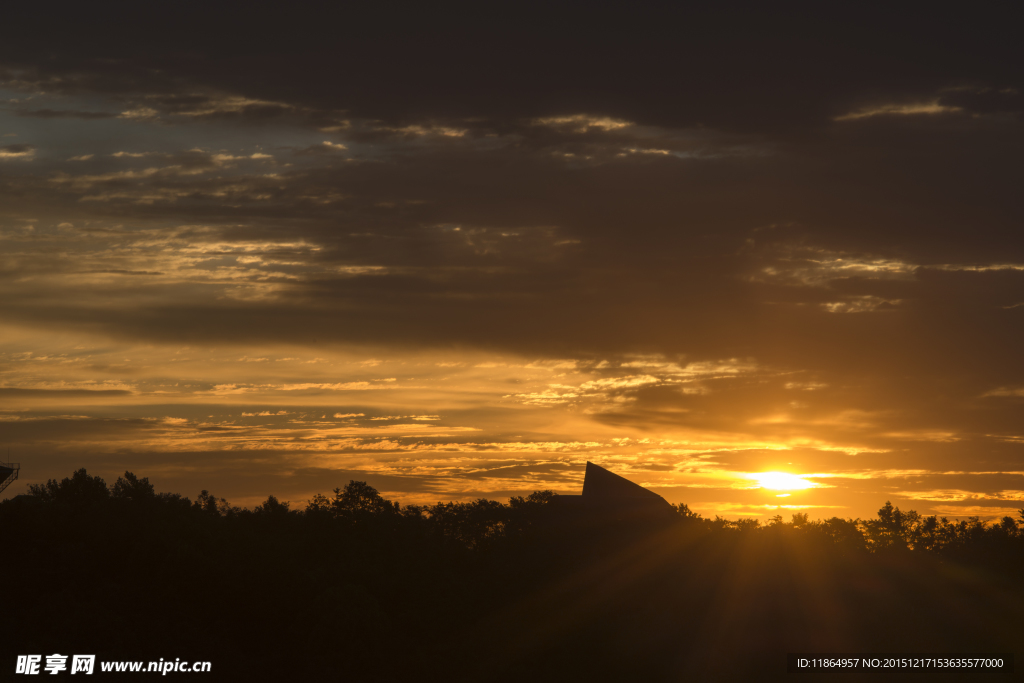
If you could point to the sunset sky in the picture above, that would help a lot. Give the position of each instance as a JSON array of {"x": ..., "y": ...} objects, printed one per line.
[{"x": 458, "y": 254}]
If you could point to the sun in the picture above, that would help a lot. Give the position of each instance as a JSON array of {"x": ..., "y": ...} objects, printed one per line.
[{"x": 781, "y": 481}]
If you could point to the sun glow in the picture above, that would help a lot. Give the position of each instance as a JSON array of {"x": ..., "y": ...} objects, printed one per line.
[{"x": 781, "y": 481}]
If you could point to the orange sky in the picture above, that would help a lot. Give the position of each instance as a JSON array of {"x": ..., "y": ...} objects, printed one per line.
[{"x": 690, "y": 276}]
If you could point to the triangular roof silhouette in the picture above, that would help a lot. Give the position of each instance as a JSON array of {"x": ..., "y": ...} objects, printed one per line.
[
  {"x": 600, "y": 484},
  {"x": 608, "y": 497}
]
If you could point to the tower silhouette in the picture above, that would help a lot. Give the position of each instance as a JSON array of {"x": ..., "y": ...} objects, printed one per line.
[{"x": 8, "y": 473}]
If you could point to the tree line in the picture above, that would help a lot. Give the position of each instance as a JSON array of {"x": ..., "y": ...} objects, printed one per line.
[
  {"x": 483, "y": 523},
  {"x": 358, "y": 587},
  {"x": 893, "y": 530}
]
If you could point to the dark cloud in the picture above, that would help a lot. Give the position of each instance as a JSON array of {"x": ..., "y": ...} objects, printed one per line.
[
  {"x": 65, "y": 114},
  {"x": 743, "y": 67},
  {"x": 16, "y": 151}
]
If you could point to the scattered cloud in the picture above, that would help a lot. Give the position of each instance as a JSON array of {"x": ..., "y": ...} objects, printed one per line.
[
  {"x": 18, "y": 151},
  {"x": 912, "y": 109}
]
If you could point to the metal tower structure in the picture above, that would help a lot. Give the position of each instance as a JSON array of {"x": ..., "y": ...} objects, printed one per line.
[{"x": 8, "y": 473}]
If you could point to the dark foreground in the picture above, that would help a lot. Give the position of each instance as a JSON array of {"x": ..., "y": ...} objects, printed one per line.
[{"x": 356, "y": 588}]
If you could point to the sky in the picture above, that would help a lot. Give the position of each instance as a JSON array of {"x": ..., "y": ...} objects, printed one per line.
[{"x": 456, "y": 252}]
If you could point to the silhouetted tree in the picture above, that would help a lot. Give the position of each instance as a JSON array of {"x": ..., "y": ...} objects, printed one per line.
[
  {"x": 271, "y": 507},
  {"x": 686, "y": 514},
  {"x": 359, "y": 501},
  {"x": 843, "y": 533},
  {"x": 214, "y": 506},
  {"x": 469, "y": 523},
  {"x": 318, "y": 504},
  {"x": 131, "y": 488},
  {"x": 78, "y": 490},
  {"x": 893, "y": 530}
]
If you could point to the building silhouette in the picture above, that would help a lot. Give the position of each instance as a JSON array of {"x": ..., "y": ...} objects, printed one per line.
[{"x": 607, "y": 497}]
